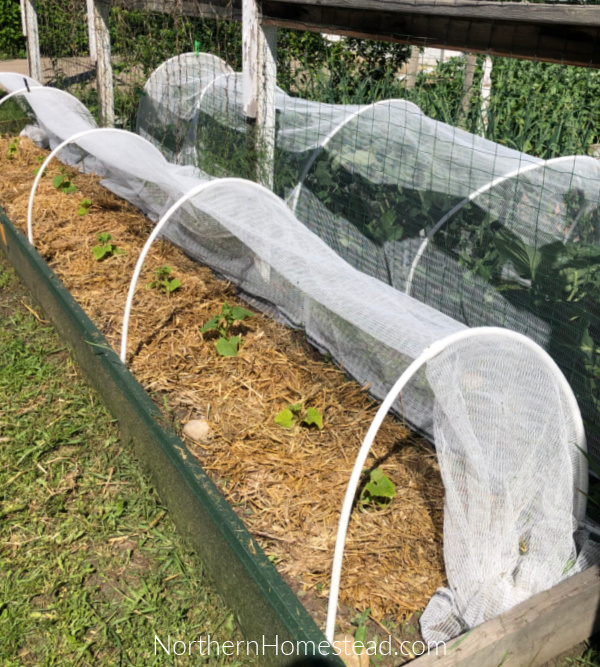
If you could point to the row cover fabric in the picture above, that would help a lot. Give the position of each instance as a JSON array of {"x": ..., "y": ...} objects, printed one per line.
[
  {"x": 459, "y": 222},
  {"x": 498, "y": 403},
  {"x": 511, "y": 470}
]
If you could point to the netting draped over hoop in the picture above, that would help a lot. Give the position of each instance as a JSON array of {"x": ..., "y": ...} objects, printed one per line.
[
  {"x": 505, "y": 431},
  {"x": 486, "y": 234},
  {"x": 508, "y": 442}
]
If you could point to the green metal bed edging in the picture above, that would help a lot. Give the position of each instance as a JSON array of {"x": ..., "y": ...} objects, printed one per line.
[{"x": 265, "y": 607}]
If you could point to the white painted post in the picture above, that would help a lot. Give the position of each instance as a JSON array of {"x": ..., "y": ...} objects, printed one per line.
[
  {"x": 470, "y": 64},
  {"x": 486, "y": 89},
  {"x": 104, "y": 74},
  {"x": 413, "y": 68},
  {"x": 23, "y": 23},
  {"x": 259, "y": 80},
  {"x": 33, "y": 41},
  {"x": 91, "y": 30}
]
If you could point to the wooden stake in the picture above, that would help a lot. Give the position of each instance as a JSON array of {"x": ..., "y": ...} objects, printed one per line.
[
  {"x": 259, "y": 77},
  {"x": 33, "y": 41},
  {"x": 104, "y": 74},
  {"x": 413, "y": 68},
  {"x": 91, "y": 30},
  {"x": 468, "y": 83}
]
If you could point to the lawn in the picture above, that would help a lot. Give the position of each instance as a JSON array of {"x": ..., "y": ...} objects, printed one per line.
[{"x": 92, "y": 566}]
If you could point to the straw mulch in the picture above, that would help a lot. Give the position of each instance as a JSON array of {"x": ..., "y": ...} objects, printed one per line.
[{"x": 287, "y": 486}]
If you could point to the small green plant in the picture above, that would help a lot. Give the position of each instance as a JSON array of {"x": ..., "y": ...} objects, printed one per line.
[
  {"x": 106, "y": 248},
  {"x": 12, "y": 148},
  {"x": 378, "y": 491},
  {"x": 296, "y": 414},
  {"x": 227, "y": 345},
  {"x": 63, "y": 183},
  {"x": 163, "y": 281},
  {"x": 84, "y": 206},
  {"x": 40, "y": 160}
]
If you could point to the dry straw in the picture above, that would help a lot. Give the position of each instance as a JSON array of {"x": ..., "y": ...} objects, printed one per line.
[{"x": 286, "y": 485}]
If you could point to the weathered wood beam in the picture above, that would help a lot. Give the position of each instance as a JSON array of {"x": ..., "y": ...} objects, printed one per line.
[
  {"x": 533, "y": 632},
  {"x": 565, "y": 44},
  {"x": 472, "y": 9},
  {"x": 563, "y": 34},
  {"x": 228, "y": 10}
]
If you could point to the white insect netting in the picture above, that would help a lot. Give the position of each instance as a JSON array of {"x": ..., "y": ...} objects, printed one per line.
[
  {"x": 512, "y": 474},
  {"x": 316, "y": 268},
  {"x": 486, "y": 234}
]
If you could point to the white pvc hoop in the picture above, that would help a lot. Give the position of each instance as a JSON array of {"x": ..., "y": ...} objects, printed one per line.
[
  {"x": 57, "y": 150},
  {"x": 482, "y": 190},
  {"x": 428, "y": 354},
  {"x": 159, "y": 227},
  {"x": 37, "y": 88},
  {"x": 295, "y": 195}
]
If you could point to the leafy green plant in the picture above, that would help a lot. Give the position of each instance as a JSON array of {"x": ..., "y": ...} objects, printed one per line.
[
  {"x": 63, "y": 183},
  {"x": 105, "y": 248},
  {"x": 163, "y": 281},
  {"x": 12, "y": 148},
  {"x": 296, "y": 414},
  {"x": 378, "y": 491},
  {"x": 84, "y": 206},
  {"x": 227, "y": 345}
]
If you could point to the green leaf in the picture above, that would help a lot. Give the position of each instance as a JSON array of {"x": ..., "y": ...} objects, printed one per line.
[
  {"x": 361, "y": 634},
  {"x": 173, "y": 284},
  {"x": 99, "y": 252},
  {"x": 285, "y": 418},
  {"x": 58, "y": 180},
  {"x": 313, "y": 417},
  {"x": 383, "y": 488},
  {"x": 69, "y": 188},
  {"x": 296, "y": 408},
  {"x": 228, "y": 348},
  {"x": 104, "y": 237},
  {"x": 239, "y": 313},
  {"x": 212, "y": 324}
]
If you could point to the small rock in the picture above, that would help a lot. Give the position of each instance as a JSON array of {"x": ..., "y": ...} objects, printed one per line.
[
  {"x": 345, "y": 645},
  {"x": 198, "y": 430}
]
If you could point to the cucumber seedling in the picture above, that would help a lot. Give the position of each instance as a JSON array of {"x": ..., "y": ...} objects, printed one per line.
[
  {"x": 12, "y": 148},
  {"x": 378, "y": 491},
  {"x": 105, "y": 248},
  {"x": 227, "y": 345},
  {"x": 296, "y": 414},
  {"x": 163, "y": 281},
  {"x": 63, "y": 183},
  {"x": 84, "y": 206}
]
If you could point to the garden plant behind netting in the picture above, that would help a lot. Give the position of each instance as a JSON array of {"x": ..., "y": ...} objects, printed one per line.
[
  {"x": 483, "y": 232},
  {"x": 408, "y": 208}
]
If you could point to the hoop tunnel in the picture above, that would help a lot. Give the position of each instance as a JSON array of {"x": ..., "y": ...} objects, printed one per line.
[
  {"x": 55, "y": 151},
  {"x": 427, "y": 355}
]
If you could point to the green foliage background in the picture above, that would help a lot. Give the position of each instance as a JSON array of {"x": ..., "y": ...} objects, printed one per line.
[{"x": 12, "y": 42}]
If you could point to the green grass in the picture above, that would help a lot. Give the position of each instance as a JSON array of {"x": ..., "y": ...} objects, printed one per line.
[{"x": 92, "y": 567}]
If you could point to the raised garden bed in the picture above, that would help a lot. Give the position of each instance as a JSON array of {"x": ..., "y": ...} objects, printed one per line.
[{"x": 286, "y": 484}]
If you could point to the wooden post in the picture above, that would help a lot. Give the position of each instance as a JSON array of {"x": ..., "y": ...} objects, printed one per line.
[
  {"x": 486, "y": 89},
  {"x": 104, "y": 74},
  {"x": 23, "y": 24},
  {"x": 413, "y": 68},
  {"x": 259, "y": 77},
  {"x": 33, "y": 41},
  {"x": 470, "y": 64},
  {"x": 91, "y": 30}
]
